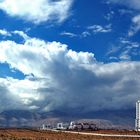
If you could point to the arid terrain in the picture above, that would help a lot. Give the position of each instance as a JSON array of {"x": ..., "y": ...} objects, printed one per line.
[{"x": 24, "y": 134}]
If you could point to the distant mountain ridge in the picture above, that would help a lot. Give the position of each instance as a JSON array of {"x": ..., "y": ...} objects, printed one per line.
[{"x": 25, "y": 118}]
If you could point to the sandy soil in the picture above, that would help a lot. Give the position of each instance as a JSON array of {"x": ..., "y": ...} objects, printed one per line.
[{"x": 24, "y": 134}]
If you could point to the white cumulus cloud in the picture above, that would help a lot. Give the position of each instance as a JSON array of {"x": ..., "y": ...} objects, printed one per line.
[
  {"x": 57, "y": 78},
  {"x": 37, "y": 11}
]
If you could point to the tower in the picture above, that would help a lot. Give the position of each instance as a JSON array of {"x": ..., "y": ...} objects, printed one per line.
[{"x": 137, "y": 121}]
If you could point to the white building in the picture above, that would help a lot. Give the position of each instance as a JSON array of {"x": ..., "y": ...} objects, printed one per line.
[
  {"x": 43, "y": 127},
  {"x": 46, "y": 127},
  {"x": 62, "y": 126},
  {"x": 137, "y": 121},
  {"x": 75, "y": 126}
]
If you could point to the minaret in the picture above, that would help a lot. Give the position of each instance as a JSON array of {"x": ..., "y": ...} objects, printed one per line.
[{"x": 137, "y": 122}]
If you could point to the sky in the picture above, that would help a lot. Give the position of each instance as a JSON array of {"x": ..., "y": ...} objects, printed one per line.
[{"x": 76, "y": 55}]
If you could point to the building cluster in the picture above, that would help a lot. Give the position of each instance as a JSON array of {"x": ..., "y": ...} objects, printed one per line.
[
  {"x": 71, "y": 126},
  {"x": 83, "y": 126},
  {"x": 87, "y": 125}
]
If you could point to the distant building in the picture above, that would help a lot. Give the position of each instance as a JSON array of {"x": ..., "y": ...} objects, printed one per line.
[
  {"x": 46, "y": 127},
  {"x": 62, "y": 126},
  {"x": 43, "y": 127},
  {"x": 82, "y": 126},
  {"x": 137, "y": 121},
  {"x": 75, "y": 126},
  {"x": 85, "y": 125}
]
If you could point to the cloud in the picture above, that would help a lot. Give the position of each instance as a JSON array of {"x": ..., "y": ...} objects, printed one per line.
[
  {"x": 90, "y": 30},
  {"x": 135, "y": 5},
  {"x": 16, "y": 94},
  {"x": 72, "y": 35},
  {"x": 4, "y": 32},
  {"x": 57, "y": 78},
  {"x": 69, "y": 34},
  {"x": 100, "y": 29},
  {"x": 124, "y": 12},
  {"x": 21, "y": 34},
  {"x": 79, "y": 35},
  {"x": 109, "y": 15},
  {"x": 124, "y": 50},
  {"x": 95, "y": 29},
  {"x": 37, "y": 11},
  {"x": 135, "y": 26},
  {"x": 85, "y": 34},
  {"x": 7, "y": 99},
  {"x": 124, "y": 56}
]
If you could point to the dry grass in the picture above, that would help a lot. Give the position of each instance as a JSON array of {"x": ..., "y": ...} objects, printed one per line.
[{"x": 20, "y": 134}]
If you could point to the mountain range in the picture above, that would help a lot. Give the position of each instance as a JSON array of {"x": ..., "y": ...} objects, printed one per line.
[{"x": 107, "y": 119}]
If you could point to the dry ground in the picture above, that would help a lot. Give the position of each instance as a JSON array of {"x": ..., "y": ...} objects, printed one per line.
[{"x": 24, "y": 134}]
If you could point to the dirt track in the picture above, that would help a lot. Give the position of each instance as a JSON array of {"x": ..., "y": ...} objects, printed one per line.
[{"x": 22, "y": 134}]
